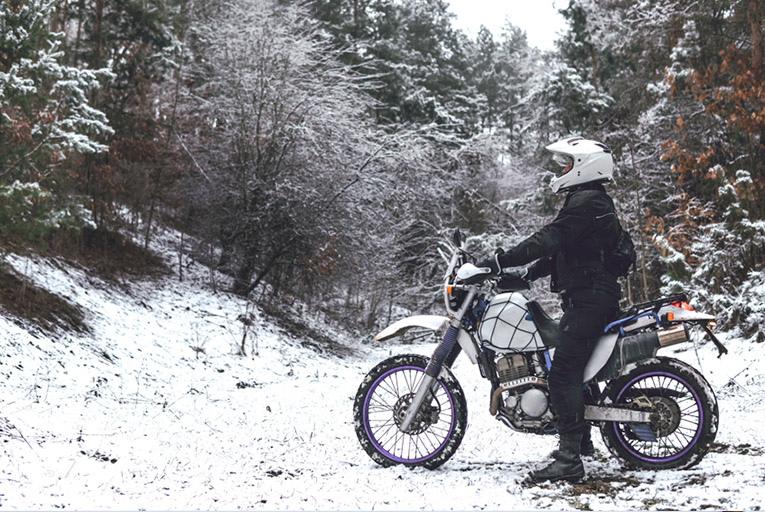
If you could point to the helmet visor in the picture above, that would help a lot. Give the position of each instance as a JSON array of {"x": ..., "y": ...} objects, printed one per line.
[{"x": 564, "y": 161}]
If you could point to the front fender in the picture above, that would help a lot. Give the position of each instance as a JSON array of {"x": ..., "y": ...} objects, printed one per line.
[{"x": 433, "y": 323}]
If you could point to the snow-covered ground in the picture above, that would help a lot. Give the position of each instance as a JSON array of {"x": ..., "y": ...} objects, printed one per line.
[{"x": 155, "y": 410}]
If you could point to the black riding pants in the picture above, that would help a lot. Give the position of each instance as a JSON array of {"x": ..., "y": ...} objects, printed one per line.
[{"x": 585, "y": 314}]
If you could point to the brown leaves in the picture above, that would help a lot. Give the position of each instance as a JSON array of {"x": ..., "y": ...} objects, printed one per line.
[
  {"x": 19, "y": 131},
  {"x": 733, "y": 90}
]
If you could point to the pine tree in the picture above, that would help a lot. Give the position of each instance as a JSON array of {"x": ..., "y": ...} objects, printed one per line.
[
  {"x": 716, "y": 154},
  {"x": 46, "y": 119},
  {"x": 137, "y": 41}
]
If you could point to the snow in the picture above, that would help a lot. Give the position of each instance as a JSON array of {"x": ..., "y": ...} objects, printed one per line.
[{"x": 154, "y": 410}]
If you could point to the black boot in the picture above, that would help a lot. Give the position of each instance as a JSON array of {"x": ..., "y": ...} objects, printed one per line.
[
  {"x": 586, "y": 448},
  {"x": 567, "y": 465}
]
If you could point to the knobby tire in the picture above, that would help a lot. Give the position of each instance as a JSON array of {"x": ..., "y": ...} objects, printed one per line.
[{"x": 388, "y": 385}]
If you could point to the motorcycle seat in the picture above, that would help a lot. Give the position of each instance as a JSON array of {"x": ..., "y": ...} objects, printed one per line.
[{"x": 549, "y": 329}]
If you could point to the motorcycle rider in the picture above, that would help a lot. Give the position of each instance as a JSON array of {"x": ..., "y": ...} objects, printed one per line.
[{"x": 573, "y": 249}]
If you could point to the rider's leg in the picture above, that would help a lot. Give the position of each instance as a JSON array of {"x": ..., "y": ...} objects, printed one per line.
[{"x": 585, "y": 314}]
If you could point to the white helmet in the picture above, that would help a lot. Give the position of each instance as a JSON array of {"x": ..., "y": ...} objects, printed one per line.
[{"x": 583, "y": 161}]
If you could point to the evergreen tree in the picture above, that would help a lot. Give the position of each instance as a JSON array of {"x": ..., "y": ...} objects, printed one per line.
[
  {"x": 419, "y": 61},
  {"x": 46, "y": 119},
  {"x": 716, "y": 153},
  {"x": 137, "y": 40}
]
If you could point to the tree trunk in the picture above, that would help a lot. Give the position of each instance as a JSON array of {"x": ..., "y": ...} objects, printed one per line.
[
  {"x": 755, "y": 22},
  {"x": 98, "y": 35},
  {"x": 639, "y": 206},
  {"x": 158, "y": 174},
  {"x": 243, "y": 276},
  {"x": 268, "y": 267},
  {"x": 180, "y": 259}
]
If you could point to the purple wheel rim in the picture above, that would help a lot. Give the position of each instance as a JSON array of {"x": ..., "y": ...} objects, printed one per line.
[
  {"x": 699, "y": 422},
  {"x": 390, "y": 425}
]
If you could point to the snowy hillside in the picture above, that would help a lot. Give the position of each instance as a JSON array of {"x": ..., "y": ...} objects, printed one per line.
[{"x": 153, "y": 409}]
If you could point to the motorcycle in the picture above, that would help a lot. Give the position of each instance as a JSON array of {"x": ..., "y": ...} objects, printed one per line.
[{"x": 654, "y": 412}]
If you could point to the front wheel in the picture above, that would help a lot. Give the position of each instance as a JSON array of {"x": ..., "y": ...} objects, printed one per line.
[
  {"x": 381, "y": 403},
  {"x": 683, "y": 410}
]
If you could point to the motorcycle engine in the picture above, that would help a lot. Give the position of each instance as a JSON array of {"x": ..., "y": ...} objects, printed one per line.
[
  {"x": 526, "y": 397},
  {"x": 512, "y": 367},
  {"x": 529, "y": 404}
]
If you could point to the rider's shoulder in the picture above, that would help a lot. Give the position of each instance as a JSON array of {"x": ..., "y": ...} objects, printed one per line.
[{"x": 589, "y": 198}]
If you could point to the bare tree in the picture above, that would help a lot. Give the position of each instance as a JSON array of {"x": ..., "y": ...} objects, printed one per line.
[{"x": 278, "y": 133}]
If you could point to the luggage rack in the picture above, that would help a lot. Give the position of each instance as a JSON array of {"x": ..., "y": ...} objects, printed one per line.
[
  {"x": 651, "y": 309},
  {"x": 655, "y": 305},
  {"x": 645, "y": 309}
]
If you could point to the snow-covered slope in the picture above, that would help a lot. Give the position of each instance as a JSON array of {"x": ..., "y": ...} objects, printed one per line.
[{"x": 155, "y": 410}]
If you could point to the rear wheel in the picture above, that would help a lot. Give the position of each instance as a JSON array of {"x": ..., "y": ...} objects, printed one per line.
[
  {"x": 684, "y": 415},
  {"x": 381, "y": 403}
]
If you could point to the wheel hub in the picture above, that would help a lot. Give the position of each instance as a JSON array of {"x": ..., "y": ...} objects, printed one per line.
[
  {"x": 422, "y": 420},
  {"x": 666, "y": 416}
]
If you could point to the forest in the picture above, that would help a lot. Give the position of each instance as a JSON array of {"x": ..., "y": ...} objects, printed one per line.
[{"x": 319, "y": 150}]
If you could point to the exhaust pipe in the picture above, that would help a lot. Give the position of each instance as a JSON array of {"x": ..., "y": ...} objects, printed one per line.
[
  {"x": 644, "y": 343},
  {"x": 673, "y": 335},
  {"x": 495, "y": 398}
]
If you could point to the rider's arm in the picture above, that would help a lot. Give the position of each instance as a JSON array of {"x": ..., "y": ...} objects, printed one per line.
[
  {"x": 540, "y": 268},
  {"x": 574, "y": 220}
]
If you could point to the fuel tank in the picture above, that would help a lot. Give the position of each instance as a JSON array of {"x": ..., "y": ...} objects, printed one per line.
[{"x": 507, "y": 326}]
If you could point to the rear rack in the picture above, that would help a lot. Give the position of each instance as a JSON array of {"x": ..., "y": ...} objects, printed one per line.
[
  {"x": 654, "y": 305},
  {"x": 646, "y": 309},
  {"x": 651, "y": 309}
]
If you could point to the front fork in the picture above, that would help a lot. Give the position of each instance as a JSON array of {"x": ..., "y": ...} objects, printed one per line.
[{"x": 445, "y": 354}]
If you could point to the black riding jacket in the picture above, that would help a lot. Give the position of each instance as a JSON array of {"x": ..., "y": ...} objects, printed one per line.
[{"x": 573, "y": 249}]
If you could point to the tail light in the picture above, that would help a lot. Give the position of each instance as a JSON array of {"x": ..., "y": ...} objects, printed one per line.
[{"x": 684, "y": 305}]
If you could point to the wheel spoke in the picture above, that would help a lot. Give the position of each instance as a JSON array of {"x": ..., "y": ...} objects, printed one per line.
[
  {"x": 386, "y": 403},
  {"x": 386, "y": 430},
  {"x": 680, "y": 421}
]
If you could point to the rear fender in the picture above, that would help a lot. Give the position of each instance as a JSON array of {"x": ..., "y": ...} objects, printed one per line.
[
  {"x": 433, "y": 323},
  {"x": 605, "y": 345}
]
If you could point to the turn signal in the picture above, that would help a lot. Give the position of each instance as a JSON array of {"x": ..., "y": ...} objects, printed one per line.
[{"x": 449, "y": 289}]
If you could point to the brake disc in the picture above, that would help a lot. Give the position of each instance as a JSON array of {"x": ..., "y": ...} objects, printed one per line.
[
  {"x": 422, "y": 421},
  {"x": 665, "y": 417}
]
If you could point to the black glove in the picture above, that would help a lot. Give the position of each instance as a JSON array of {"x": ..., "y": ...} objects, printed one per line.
[
  {"x": 516, "y": 273},
  {"x": 514, "y": 280},
  {"x": 492, "y": 264}
]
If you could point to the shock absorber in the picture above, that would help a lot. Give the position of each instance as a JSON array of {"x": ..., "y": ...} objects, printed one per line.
[
  {"x": 431, "y": 372},
  {"x": 436, "y": 362},
  {"x": 442, "y": 350}
]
